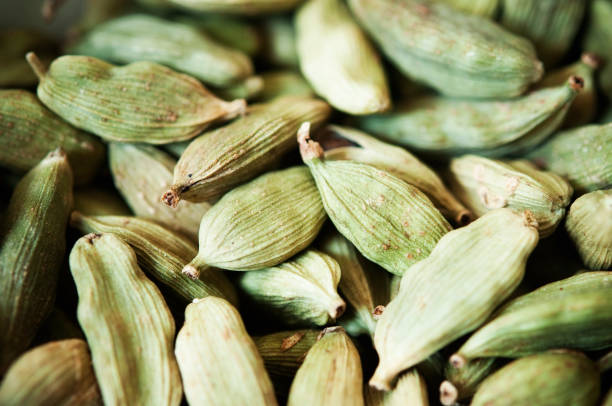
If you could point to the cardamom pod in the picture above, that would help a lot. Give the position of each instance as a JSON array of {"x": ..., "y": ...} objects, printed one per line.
[
  {"x": 283, "y": 83},
  {"x": 247, "y": 89},
  {"x": 260, "y": 224},
  {"x": 32, "y": 246},
  {"x": 29, "y": 131},
  {"x": 589, "y": 225},
  {"x": 221, "y": 159},
  {"x": 331, "y": 373},
  {"x": 139, "y": 102},
  {"x": 56, "y": 373},
  {"x": 410, "y": 389},
  {"x": 351, "y": 78},
  {"x": 553, "y": 378},
  {"x": 97, "y": 201},
  {"x": 240, "y": 7},
  {"x": 440, "y": 126},
  {"x": 279, "y": 42},
  {"x": 462, "y": 383},
  {"x": 124, "y": 317},
  {"x": 604, "y": 363},
  {"x": 284, "y": 352},
  {"x": 597, "y": 39},
  {"x": 162, "y": 253},
  {"x": 220, "y": 365},
  {"x": 14, "y": 43},
  {"x": 141, "y": 174},
  {"x": 484, "y": 8},
  {"x": 141, "y": 37},
  {"x": 453, "y": 291},
  {"x": 457, "y": 54},
  {"x": 388, "y": 220},
  {"x": 571, "y": 313}
]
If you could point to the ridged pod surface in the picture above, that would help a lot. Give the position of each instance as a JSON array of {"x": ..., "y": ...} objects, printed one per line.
[
  {"x": 139, "y": 102},
  {"x": 284, "y": 83},
  {"x": 411, "y": 389},
  {"x": 219, "y": 362},
  {"x": 458, "y": 54},
  {"x": 453, "y": 291},
  {"x": 284, "y": 352},
  {"x": 597, "y": 39},
  {"x": 241, "y": 7},
  {"x": 338, "y": 59},
  {"x": 484, "y": 8},
  {"x": 128, "y": 326},
  {"x": 32, "y": 241},
  {"x": 461, "y": 383},
  {"x": 389, "y": 221},
  {"x": 30, "y": 131}
]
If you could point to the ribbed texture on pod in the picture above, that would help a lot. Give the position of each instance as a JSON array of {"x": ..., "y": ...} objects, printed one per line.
[
  {"x": 141, "y": 37},
  {"x": 262, "y": 223},
  {"x": 388, "y": 220},
  {"x": 589, "y": 225},
  {"x": 30, "y": 131},
  {"x": 571, "y": 313},
  {"x": 219, "y": 362},
  {"x": 242, "y": 7},
  {"x": 458, "y": 54},
  {"x": 461, "y": 383},
  {"x": 484, "y": 8},
  {"x": 300, "y": 291},
  {"x": 453, "y": 291},
  {"x": 57, "y": 373},
  {"x": 99, "y": 201},
  {"x": 331, "y": 373},
  {"x": 441, "y": 126},
  {"x": 162, "y": 253},
  {"x": 486, "y": 184},
  {"x": 597, "y": 39},
  {"x": 411, "y": 389},
  {"x": 221, "y": 159},
  {"x": 139, "y": 102},
  {"x": 580, "y": 155},
  {"x": 553, "y": 378},
  {"x": 128, "y": 326},
  {"x": 284, "y": 83},
  {"x": 338, "y": 59},
  {"x": 284, "y": 352},
  {"x": 32, "y": 245},
  {"x": 142, "y": 173}
]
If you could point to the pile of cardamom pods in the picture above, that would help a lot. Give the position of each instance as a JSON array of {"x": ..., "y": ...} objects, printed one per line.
[{"x": 308, "y": 202}]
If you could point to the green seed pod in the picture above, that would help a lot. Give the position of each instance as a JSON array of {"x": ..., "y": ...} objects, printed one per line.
[
  {"x": 279, "y": 42},
  {"x": 161, "y": 253},
  {"x": 32, "y": 246},
  {"x": 232, "y": 32},
  {"x": 571, "y": 313},
  {"x": 331, "y": 373},
  {"x": 484, "y": 8},
  {"x": 597, "y": 39},
  {"x": 388, "y": 220},
  {"x": 581, "y": 155},
  {"x": 57, "y": 373},
  {"x": 409, "y": 390},
  {"x": 461, "y": 383},
  {"x": 141, "y": 174},
  {"x": 551, "y": 25},
  {"x": 298, "y": 292},
  {"x": 441, "y": 126},
  {"x": 458, "y": 54},
  {"x": 260, "y": 224},
  {"x": 14, "y": 44},
  {"x": 453, "y": 291},
  {"x": 141, "y": 37},
  {"x": 139, "y": 102},
  {"x": 284, "y": 352},
  {"x": 486, "y": 184},
  {"x": 284, "y": 83},
  {"x": 220, "y": 365},
  {"x": 351, "y": 78},
  {"x": 221, "y": 159},
  {"x": 402, "y": 164},
  {"x": 553, "y": 378},
  {"x": 589, "y": 225},
  {"x": 128, "y": 326},
  {"x": 29, "y": 131},
  {"x": 240, "y": 7},
  {"x": 97, "y": 201},
  {"x": 248, "y": 89}
]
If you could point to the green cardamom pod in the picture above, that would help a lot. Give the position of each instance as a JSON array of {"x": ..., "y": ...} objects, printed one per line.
[
  {"x": 552, "y": 378},
  {"x": 56, "y": 373},
  {"x": 441, "y": 126},
  {"x": 597, "y": 39},
  {"x": 331, "y": 373},
  {"x": 284, "y": 352},
  {"x": 486, "y": 184},
  {"x": 458, "y": 54},
  {"x": 14, "y": 44},
  {"x": 240, "y": 7},
  {"x": 29, "y": 131},
  {"x": 401, "y": 163},
  {"x": 162, "y": 253},
  {"x": 410, "y": 389},
  {"x": 247, "y": 89},
  {"x": 453, "y": 291},
  {"x": 141, "y": 37},
  {"x": 219, "y": 362},
  {"x": 461, "y": 383},
  {"x": 139, "y": 102},
  {"x": 279, "y": 42},
  {"x": 221, "y": 159},
  {"x": 351, "y": 78},
  {"x": 32, "y": 247},
  {"x": 484, "y": 8},
  {"x": 128, "y": 326},
  {"x": 389, "y": 221},
  {"x": 284, "y": 83},
  {"x": 571, "y": 313},
  {"x": 98, "y": 201},
  {"x": 589, "y": 225},
  {"x": 260, "y": 224},
  {"x": 141, "y": 174}
]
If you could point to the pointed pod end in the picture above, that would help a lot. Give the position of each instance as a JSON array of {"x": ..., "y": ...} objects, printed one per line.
[
  {"x": 448, "y": 393},
  {"x": 327, "y": 330},
  {"x": 457, "y": 360},
  {"x": 463, "y": 218},
  {"x": 235, "y": 108},
  {"x": 539, "y": 70},
  {"x": 191, "y": 271},
  {"x": 309, "y": 149},
  {"x": 378, "y": 312},
  {"x": 576, "y": 83},
  {"x": 37, "y": 66},
  {"x": 529, "y": 219},
  {"x": 92, "y": 237},
  {"x": 337, "y": 309},
  {"x": 75, "y": 218},
  {"x": 171, "y": 198},
  {"x": 590, "y": 59},
  {"x": 379, "y": 381}
]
